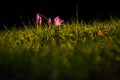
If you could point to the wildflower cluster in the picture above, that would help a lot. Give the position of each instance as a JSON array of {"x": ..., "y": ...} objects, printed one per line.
[{"x": 57, "y": 20}]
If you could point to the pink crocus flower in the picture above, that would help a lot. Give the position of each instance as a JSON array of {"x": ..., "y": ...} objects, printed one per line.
[
  {"x": 49, "y": 21},
  {"x": 58, "y": 21},
  {"x": 38, "y": 19}
]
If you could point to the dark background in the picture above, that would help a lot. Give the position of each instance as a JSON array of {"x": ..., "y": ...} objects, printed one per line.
[{"x": 15, "y": 12}]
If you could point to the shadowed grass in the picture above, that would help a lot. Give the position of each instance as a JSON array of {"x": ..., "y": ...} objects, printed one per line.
[{"x": 72, "y": 51}]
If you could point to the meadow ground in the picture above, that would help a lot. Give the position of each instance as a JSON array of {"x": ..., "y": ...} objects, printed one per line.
[{"x": 72, "y": 51}]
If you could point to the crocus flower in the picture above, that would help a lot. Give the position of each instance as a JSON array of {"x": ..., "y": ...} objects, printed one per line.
[
  {"x": 58, "y": 21},
  {"x": 38, "y": 19},
  {"x": 49, "y": 21}
]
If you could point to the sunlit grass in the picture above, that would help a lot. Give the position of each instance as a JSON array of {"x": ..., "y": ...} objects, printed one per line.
[{"x": 73, "y": 51}]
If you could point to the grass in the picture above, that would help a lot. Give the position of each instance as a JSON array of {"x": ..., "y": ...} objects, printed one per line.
[{"x": 73, "y": 51}]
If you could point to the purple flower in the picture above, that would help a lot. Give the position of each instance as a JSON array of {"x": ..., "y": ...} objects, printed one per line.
[
  {"x": 49, "y": 21},
  {"x": 58, "y": 21},
  {"x": 38, "y": 19}
]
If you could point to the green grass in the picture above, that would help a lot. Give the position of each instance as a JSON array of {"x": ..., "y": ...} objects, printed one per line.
[{"x": 73, "y": 51}]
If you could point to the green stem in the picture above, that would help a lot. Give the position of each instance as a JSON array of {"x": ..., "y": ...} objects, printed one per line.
[{"x": 77, "y": 12}]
